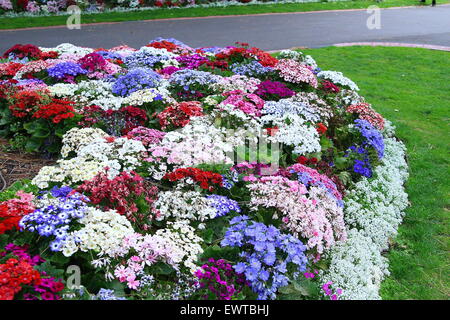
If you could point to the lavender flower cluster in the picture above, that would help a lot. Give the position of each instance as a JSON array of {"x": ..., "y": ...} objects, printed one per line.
[
  {"x": 107, "y": 294},
  {"x": 145, "y": 58},
  {"x": 134, "y": 80},
  {"x": 187, "y": 78},
  {"x": 251, "y": 69},
  {"x": 53, "y": 219},
  {"x": 267, "y": 255},
  {"x": 223, "y": 205}
]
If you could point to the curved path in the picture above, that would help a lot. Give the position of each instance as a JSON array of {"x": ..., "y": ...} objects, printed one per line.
[{"x": 420, "y": 25}]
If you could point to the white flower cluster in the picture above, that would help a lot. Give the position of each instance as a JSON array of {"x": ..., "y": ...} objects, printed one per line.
[
  {"x": 375, "y": 206},
  {"x": 67, "y": 172},
  {"x": 140, "y": 97},
  {"x": 76, "y": 138},
  {"x": 349, "y": 97},
  {"x": 315, "y": 104},
  {"x": 338, "y": 78},
  {"x": 196, "y": 143},
  {"x": 102, "y": 232},
  {"x": 184, "y": 237},
  {"x": 236, "y": 82},
  {"x": 69, "y": 48},
  {"x": 122, "y": 154},
  {"x": 190, "y": 205},
  {"x": 356, "y": 267},
  {"x": 293, "y": 131},
  {"x": 373, "y": 210},
  {"x": 284, "y": 106}
]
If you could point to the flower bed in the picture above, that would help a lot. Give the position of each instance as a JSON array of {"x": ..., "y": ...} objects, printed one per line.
[
  {"x": 58, "y": 7},
  {"x": 195, "y": 173}
]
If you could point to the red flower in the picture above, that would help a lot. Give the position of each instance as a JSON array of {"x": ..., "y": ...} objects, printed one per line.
[
  {"x": 206, "y": 179},
  {"x": 321, "y": 128},
  {"x": 302, "y": 160}
]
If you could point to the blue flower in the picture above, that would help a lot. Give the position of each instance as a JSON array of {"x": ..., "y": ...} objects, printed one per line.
[
  {"x": 266, "y": 254},
  {"x": 134, "y": 80}
]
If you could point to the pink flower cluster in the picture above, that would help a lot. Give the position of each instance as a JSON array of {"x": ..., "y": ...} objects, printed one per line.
[
  {"x": 144, "y": 251},
  {"x": 146, "y": 136},
  {"x": 365, "y": 112},
  {"x": 293, "y": 71},
  {"x": 307, "y": 213},
  {"x": 315, "y": 178},
  {"x": 248, "y": 103}
]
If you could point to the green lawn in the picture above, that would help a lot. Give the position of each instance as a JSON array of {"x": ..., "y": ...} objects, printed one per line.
[
  {"x": 411, "y": 87},
  {"x": 26, "y": 22}
]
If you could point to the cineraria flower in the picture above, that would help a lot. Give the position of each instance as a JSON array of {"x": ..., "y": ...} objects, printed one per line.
[
  {"x": 53, "y": 216},
  {"x": 66, "y": 71},
  {"x": 294, "y": 72},
  {"x": 371, "y": 136},
  {"x": 219, "y": 278},
  {"x": 134, "y": 80},
  {"x": 251, "y": 69},
  {"x": 338, "y": 78},
  {"x": 267, "y": 255}
]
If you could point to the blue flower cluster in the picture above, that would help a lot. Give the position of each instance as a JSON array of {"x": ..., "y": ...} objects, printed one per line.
[
  {"x": 229, "y": 179},
  {"x": 251, "y": 69},
  {"x": 188, "y": 78},
  {"x": 54, "y": 219},
  {"x": 65, "y": 69},
  {"x": 267, "y": 255},
  {"x": 223, "y": 205},
  {"x": 107, "y": 294},
  {"x": 134, "y": 80},
  {"x": 372, "y": 136},
  {"x": 361, "y": 165},
  {"x": 145, "y": 58},
  {"x": 110, "y": 55}
]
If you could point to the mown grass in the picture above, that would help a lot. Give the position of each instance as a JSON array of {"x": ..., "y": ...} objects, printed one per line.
[
  {"x": 162, "y": 13},
  {"x": 411, "y": 87}
]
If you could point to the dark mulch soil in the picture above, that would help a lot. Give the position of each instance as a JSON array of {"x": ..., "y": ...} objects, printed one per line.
[{"x": 16, "y": 165}]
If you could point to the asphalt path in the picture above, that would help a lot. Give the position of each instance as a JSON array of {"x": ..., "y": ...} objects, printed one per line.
[{"x": 420, "y": 25}]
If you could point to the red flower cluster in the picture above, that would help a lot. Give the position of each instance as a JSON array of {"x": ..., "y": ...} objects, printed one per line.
[
  {"x": 11, "y": 211},
  {"x": 21, "y": 51},
  {"x": 329, "y": 86},
  {"x": 206, "y": 179},
  {"x": 25, "y": 102},
  {"x": 56, "y": 110},
  {"x": 119, "y": 193},
  {"x": 9, "y": 69},
  {"x": 169, "y": 46},
  {"x": 15, "y": 273},
  {"x": 179, "y": 115},
  {"x": 304, "y": 160},
  {"x": 92, "y": 62},
  {"x": 321, "y": 128},
  {"x": 238, "y": 54},
  {"x": 365, "y": 112}
]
